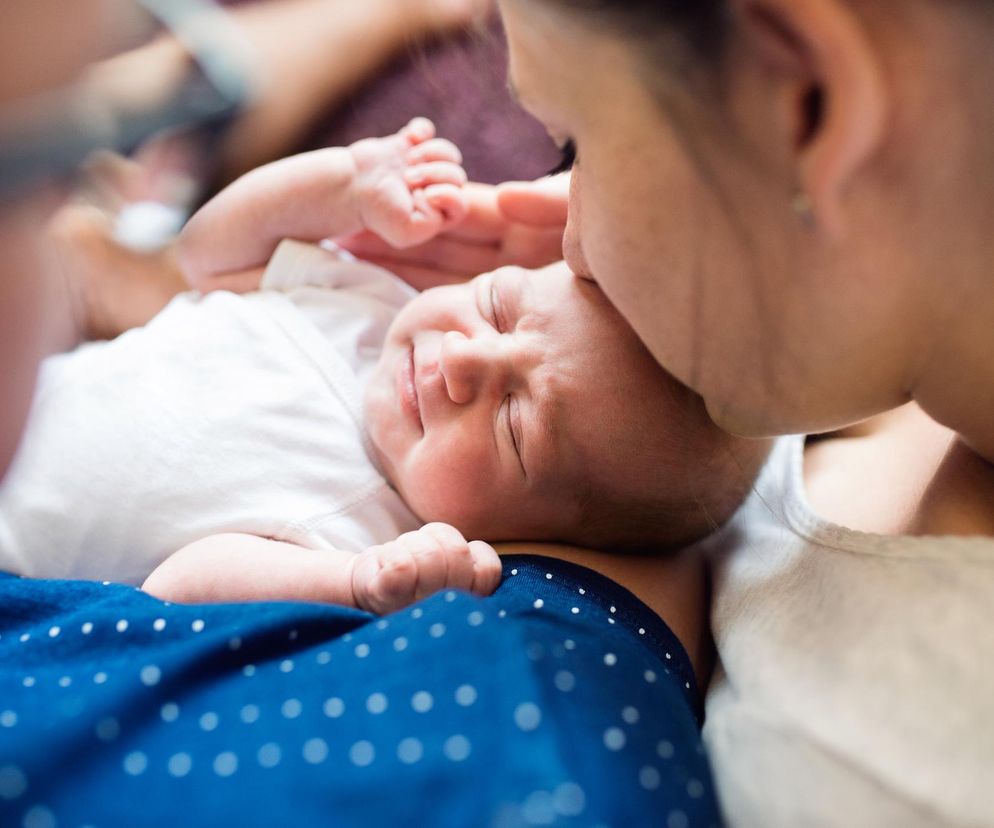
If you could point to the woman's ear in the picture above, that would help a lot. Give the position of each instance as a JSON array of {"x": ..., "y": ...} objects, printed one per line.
[{"x": 838, "y": 98}]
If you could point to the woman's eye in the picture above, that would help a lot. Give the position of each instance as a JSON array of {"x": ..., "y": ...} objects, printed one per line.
[{"x": 568, "y": 151}]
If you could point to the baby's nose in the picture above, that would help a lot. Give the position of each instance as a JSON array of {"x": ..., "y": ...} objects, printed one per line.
[{"x": 467, "y": 365}]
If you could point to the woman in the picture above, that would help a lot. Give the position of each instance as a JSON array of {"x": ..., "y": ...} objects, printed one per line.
[{"x": 791, "y": 204}]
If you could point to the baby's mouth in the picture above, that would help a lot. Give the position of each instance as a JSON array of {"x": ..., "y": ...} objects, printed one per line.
[{"x": 412, "y": 398}]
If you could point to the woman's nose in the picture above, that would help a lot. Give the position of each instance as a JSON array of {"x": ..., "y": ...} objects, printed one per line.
[{"x": 468, "y": 365}]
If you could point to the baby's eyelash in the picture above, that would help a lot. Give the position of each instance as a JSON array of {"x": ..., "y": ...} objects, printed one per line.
[{"x": 568, "y": 151}]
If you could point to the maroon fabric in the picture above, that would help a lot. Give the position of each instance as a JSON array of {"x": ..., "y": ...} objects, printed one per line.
[{"x": 461, "y": 84}]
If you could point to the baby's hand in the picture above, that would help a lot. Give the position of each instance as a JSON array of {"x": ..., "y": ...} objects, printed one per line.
[
  {"x": 409, "y": 185},
  {"x": 391, "y": 576}
]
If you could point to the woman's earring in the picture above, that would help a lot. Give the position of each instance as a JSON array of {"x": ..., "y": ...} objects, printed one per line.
[{"x": 802, "y": 207}]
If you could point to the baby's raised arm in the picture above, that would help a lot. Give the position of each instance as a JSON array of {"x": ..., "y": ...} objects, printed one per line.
[{"x": 406, "y": 188}]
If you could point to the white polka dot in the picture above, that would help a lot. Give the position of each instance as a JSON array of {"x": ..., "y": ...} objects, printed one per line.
[
  {"x": 333, "y": 707},
  {"x": 65, "y": 681},
  {"x": 614, "y": 738},
  {"x": 417, "y": 612},
  {"x": 13, "y": 782},
  {"x": 668, "y": 656},
  {"x": 630, "y": 715},
  {"x": 39, "y": 817},
  {"x": 376, "y": 703},
  {"x": 436, "y": 630},
  {"x": 8, "y": 718},
  {"x": 641, "y": 630},
  {"x": 410, "y": 750},
  {"x": 583, "y": 591},
  {"x": 422, "y": 701},
  {"x": 248, "y": 670},
  {"x": 610, "y": 620},
  {"x": 249, "y": 714},
  {"x": 179, "y": 764},
  {"x": 234, "y": 643},
  {"x": 29, "y": 681},
  {"x": 527, "y": 716},
  {"x": 686, "y": 684},
  {"x": 362, "y": 650},
  {"x": 610, "y": 659},
  {"x": 457, "y": 748},
  {"x": 475, "y": 618},
  {"x": 382, "y": 624},
  {"x": 315, "y": 751},
  {"x": 100, "y": 678},
  {"x": 291, "y": 708},
  {"x": 208, "y": 722},
  {"x": 400, "y": 644},
  {"x": 514, "y": 572},
  {"x": 107, "y": 730},
  {"x": 665, "y": 749},
  {"x": 564, "y": 680},
  {"x": 347, "y": 637},
  {"x": 538, "y": 808},
  {"x": 198, "y": 626},
  {"x": 568, "y": 799},
  {"x": 159, "y": 624},
  {"x": 169, "y": 712},
  {"x": 650, "y": 676},
  {"x": 286, "y": 665},
  {"x": 677, "y": 819},
  {"x": 135, "y": 763},
  {"x": 614, "y": 610},
  {"x": 24, "y": 637},
  {"x": 574, "y": 610},
  {"x": 150, "y": 675},
  {"x": 465, "y": 695},
  {"x": 569, "y": 644},
  {"x": 548, "y": 576},
  {"x": 323, "y": 657},
  {"x": 450, "y": 596},
  {"x": 121, "y": 625},
  {"x": 502, "y": 613},
  {"x": 362, "y": 753},
  {"x": 87, "y": 628},
  {"x": 269, "y": 755},
  {"x": 695, "y": 789},
  {"x": 54, "y": 631},
  {"x": 539, "y": 603},
  {"x": 226, "y": 763},
  {"x": 649, "y": 778}
]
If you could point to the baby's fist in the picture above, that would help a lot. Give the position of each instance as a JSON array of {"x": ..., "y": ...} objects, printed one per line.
[
  {"x": 388, "y": 577},
  {"x": 409, "y": 185}
]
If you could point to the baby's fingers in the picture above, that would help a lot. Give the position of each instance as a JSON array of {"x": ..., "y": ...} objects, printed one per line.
[
  {"x": 437, "y": 149},
  {"x": 448, "y": 200},
  {"x": 418, "y": 130},
  {"x": 486, "y": 568},
  {"x": 435, "y": 172}
]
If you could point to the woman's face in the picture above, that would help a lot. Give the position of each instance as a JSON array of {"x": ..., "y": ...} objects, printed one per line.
[{"x": 686, "y": 227}]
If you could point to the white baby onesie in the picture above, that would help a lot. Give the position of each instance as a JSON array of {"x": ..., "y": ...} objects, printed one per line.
[{"x": 225, "y": 413}]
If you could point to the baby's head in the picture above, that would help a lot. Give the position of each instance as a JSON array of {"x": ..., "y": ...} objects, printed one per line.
[{"x": 521, "y": 406}]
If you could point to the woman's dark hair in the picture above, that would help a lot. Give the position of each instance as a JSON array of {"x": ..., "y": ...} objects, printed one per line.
[{"x": 700, "y": 26}]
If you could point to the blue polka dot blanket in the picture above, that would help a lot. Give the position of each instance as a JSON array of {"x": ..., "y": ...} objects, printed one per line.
[{"x": 559, "y": 700}]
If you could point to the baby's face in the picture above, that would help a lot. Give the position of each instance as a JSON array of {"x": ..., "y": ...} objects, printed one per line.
[{"x": 495, "y": 402}]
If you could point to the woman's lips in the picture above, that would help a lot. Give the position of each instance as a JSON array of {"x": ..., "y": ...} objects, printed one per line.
[{"x": 408, "y": 389}]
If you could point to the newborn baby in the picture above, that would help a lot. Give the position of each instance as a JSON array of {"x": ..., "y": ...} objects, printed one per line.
[{"x": 336, "y": 436}]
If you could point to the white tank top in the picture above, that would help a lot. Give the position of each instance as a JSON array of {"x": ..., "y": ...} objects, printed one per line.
[
  {"x": 856, "y": 684},
  {"x": 225, "y": 413}
]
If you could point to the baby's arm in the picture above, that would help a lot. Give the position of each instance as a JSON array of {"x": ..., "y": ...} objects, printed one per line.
[
  {"x": 406, "y": 188},
  {"x": 235, "y": 567}
]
